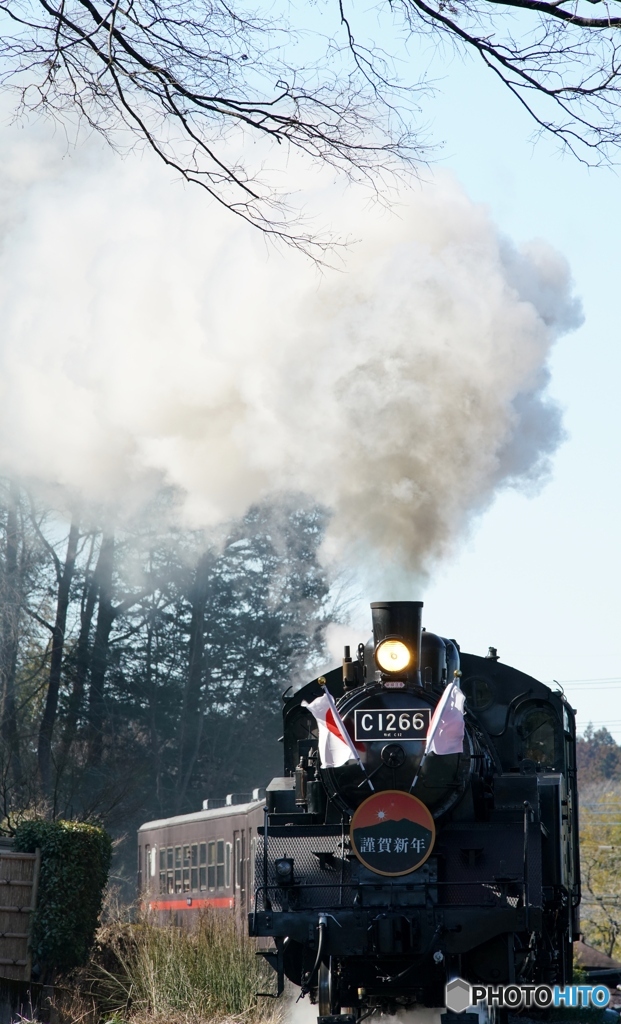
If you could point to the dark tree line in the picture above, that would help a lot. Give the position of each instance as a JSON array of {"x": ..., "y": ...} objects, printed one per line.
[
  {"x": 141, "y": 668},
  {"x": 598, "y": 757}
]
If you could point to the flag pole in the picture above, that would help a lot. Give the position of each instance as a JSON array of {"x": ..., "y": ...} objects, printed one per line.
[
  {"x": 432, "y": 729},
  {"x": 343, "y": 731},
  {"x": 418, "y": 770}
]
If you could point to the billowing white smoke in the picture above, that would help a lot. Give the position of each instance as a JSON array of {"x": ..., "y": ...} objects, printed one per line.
[{"x": 148, "y": 338}]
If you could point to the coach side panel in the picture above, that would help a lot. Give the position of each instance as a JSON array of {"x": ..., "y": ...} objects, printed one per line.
[{"x": 193, "y": 865}]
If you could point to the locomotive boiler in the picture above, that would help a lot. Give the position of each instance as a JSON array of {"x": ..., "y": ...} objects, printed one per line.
[{"x": 389, "y": 868}]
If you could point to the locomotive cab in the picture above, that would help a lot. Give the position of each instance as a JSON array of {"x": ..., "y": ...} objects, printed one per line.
[{"x": 425, "y": 827}]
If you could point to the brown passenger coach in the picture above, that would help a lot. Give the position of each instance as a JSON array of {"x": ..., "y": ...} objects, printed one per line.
[{"x": 205, "y": 859}]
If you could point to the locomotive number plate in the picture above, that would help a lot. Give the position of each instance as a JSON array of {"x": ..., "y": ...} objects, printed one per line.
[{"x": 400, "y": 724}]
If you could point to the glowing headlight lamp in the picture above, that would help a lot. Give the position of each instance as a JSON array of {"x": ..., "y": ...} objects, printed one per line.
[{"x": 393, "y": 656}]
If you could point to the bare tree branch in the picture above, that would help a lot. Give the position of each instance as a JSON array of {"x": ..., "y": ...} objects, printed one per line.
[
  {"x": 189, "y": 79},
  {"x": 200, "y": 83},
  {"x": 560, "y": 64}
]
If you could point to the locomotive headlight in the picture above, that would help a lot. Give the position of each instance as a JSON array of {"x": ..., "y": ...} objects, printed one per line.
[
  {"x": 284, "y": 870},
  {"x": 393, "y": 656}
]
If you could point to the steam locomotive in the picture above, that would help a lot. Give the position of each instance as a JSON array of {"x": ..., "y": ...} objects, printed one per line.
[{"x": 382, "y": 877}]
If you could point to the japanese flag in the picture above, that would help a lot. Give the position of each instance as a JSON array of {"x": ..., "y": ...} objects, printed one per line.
[
  {"x": 335, "y": 745},
  {"x": 446, "y": 729}
]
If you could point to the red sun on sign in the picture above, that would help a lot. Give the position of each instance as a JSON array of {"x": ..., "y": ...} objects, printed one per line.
[{"x": 392, "y": 833}]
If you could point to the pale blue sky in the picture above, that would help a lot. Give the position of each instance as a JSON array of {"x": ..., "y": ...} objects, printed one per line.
[{"x": 539, "y": 578}]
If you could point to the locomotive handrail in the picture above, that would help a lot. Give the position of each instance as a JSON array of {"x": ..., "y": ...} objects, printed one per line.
[
  {"x": 529, "y": 814},
  {"x": 392, "y": 883},
  {"x": 497, "y": 889},
  {"x": 265, "y": 860}
]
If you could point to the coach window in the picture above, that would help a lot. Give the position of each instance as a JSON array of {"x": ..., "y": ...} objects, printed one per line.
[
  {"x": 170, "y": 869},
  {"x": 538, "y": 728},
  {"x": 178, "y": 869},
  {"x": 251, "y": 866},
  {"x": 239, "y": 863},
  {"x": 162, "y": 869},
  {"x": 211, "y": 865},
  {"x": 186, "y": 868},
  {"x": 227, "y": 866},
  {"x": 147, "y": 867},
  {"x": 194, "y": 867},
  {"x": 220, "y": 864},
  {"x": 202, "y": 870}
]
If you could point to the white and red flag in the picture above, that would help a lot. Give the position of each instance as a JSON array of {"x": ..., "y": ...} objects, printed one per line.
[
  {"x": 335, "y": 744},
  {"x": 446, "y": 729}
]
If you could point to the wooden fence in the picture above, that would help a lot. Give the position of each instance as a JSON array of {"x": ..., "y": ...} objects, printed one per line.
[{"x": 19, "y": 878}]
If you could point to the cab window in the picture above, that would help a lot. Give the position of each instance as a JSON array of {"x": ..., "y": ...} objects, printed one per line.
[{"x": 538, "y": 729}]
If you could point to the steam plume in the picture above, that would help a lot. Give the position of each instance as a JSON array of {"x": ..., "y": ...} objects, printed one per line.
[{"x": 145, "y": 339}]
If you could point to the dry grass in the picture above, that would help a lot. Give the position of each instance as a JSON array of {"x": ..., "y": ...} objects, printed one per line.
[{"x": 143, "y": 974}]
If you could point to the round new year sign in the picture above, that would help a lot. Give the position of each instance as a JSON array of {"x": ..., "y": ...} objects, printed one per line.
[{"x": 392, "y": 833}]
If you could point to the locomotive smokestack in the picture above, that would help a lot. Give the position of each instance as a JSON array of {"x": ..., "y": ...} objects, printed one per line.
[{"x": 400, "y": 619}]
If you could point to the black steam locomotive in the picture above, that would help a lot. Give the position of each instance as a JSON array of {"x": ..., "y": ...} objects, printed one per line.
[{"x": 382, "y": 877}]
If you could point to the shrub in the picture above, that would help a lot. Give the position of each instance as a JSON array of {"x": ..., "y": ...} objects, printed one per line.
[
  {"x": 143, "y": 974},
  {"x": 75, "y": 860}
]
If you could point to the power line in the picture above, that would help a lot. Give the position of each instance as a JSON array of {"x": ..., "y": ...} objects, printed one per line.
[
  {"x": 591, "y": 686},
  {"x": 603, "y": 680}
]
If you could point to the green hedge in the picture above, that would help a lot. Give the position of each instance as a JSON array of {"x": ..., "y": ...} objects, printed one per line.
[{"x": 75, "y": 860}]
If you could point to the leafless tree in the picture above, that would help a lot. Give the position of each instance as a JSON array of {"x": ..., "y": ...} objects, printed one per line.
[
  {"x": 189, "y": 78},
  {"x": 200, "y": 80}
]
